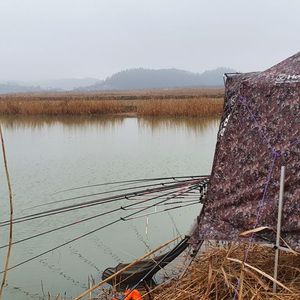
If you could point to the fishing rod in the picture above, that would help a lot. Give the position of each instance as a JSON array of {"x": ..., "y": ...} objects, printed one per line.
[
  {"x": 153, "y": 205},
  {"x": 77, "y": 238},
  {"x": 179, "y": 199},
  {"x": 88, "y": 204},
  {"x": 125, "y": 196},
  {"x": 107, "y": 192},
  {"x": 99, "y": 215},
  {"x": 101, "y": 193},
  {"x": 104, "y": 200},
  {"x": 132, "y": 181},
  {"x": 90, "y": 218},
  {"x": 61, "y": 245}
]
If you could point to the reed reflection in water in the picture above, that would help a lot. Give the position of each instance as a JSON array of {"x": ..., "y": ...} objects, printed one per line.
[
  {"x": 196, "y": 125},
  {"x": 38, "y": 122}
]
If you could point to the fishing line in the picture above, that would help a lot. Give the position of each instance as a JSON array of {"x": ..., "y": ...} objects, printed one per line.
[
  {"x": 173, "y": 203},
  {"x": 60, "y": 272},
  {"x": 106, "y": 249},
  {"x": 139, "y": 236},
  {"x": 84, "y": 259},
  {"x": 174, "y": 223},
  {"x": 158, "y": 212}
]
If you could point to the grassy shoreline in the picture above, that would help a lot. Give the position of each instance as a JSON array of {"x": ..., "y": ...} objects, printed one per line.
[{"x": 171, "y": 103}]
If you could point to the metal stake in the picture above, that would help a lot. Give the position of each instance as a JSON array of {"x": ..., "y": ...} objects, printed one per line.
[{"x": 280, "y": 205}]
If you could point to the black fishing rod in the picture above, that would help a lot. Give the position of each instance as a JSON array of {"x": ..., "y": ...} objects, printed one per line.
[
  {"x": 61, "y": 245},
  {"x": 96, "y": 216},
  {"x": 88, "y": 204},
  {"x": 153, "y": 205},
  {"x": 131, "y": 181},
  {"x": 55, "y": 213},
  {"x": 193, "y": 202},
  {"x": 80, "y": 237},
  {"x": 101, "y": 201},
  {"x": 106, "y": 200},
  {"x": 108, "y": 192}
]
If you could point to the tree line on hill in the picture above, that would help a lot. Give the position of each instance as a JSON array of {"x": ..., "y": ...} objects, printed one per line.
[
  {"x": 132, "y": 79},
  {"x": 139, "y": 79}
]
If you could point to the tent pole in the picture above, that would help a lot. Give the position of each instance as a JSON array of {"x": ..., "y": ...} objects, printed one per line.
[{"x": 280, "y": 205}]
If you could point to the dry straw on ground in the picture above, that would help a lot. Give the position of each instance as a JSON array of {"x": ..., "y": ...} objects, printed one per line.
[{"x": 215, "y": 273}]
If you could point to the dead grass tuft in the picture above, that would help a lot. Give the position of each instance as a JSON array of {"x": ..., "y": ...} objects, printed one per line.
[{"x": 215, "y": 274}]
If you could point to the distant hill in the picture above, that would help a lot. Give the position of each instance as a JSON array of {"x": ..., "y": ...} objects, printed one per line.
[
  {"x": 8, "y": 88},
  {"x": 66, "y": 84},
  {"x": 133, "y": 79},
  {"x": 137, "y": 79}
]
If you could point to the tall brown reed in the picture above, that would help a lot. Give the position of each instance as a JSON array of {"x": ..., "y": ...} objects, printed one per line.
[
  {"x": 170, "y": 107},
  {"x": 181, "y": 107},
  {"x": 151, "y": 103}
]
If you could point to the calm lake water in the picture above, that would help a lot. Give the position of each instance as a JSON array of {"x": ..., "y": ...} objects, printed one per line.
[{"x": 48, "y": 155}]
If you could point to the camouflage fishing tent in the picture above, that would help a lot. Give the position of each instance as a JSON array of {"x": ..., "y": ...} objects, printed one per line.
[{"x": 259, "y": 133}]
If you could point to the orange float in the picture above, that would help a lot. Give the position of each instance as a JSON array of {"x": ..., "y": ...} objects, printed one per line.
[{"x": 133, "y": 295}]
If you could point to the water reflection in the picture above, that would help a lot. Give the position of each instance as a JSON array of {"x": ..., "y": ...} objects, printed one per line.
[
  {"x": 191, "y": 124},
  {"x": 147, "y": 123},
  {"x": 38, "y": 122}
]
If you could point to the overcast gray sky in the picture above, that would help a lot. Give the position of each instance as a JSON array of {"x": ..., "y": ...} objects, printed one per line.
[{"x": 43, "y": 39}]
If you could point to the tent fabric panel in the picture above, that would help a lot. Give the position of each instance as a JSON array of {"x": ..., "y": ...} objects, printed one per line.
[{"x": 264, "y": 119}]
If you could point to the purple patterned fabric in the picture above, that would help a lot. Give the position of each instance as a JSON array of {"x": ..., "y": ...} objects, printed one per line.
[{"x": 259, "y": 133}]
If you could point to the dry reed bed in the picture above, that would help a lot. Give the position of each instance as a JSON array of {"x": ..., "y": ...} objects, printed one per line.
[
  {"x": 214, "y": 275},
  {"x": 189, "y": 93},
  {"x": 179, "y": 108},
  {"x": 140, "y": 104}
]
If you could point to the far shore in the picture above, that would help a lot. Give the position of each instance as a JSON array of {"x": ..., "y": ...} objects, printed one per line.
[{"x": 193, "y": 102}]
